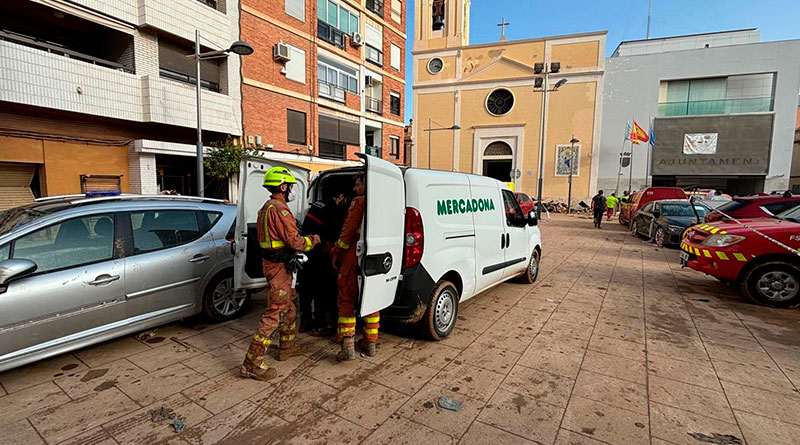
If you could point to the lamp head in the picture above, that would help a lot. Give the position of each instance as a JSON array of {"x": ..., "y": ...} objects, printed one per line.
[
  {"x": 455, "y": 127},
  {"x": 559, "y": 84},
  {"x": 574, "y": 141},
  {"x": 241, "y": 48}
]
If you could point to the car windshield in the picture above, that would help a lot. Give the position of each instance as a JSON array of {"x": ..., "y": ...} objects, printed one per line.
[
  {"x": 681, "y": 210},
  {"x": 732, "y": 206},
  {"x": 792, "y": 215}
]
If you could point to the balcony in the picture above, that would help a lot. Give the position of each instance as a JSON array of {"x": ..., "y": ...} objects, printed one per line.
[
  {"x": 168, "y": 102},
  {"x": 373, "y": 105},
  {"x": 68, "y": 81},
  {"x": 722, "y": 106},
  {"x": 51, "y": 48},
  {"x": 188, "y": 80},
  {"x": 374, "y": 151},
  {"x": 330, "y": 34},
  {"x": 375, "y": 6},
  {"x": 331, "y": 91},
  {"x": 182, "y": 17},
  {"x": 374, "y": 55}
]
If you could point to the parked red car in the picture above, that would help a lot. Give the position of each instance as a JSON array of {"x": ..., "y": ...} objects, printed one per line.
[
  {"x": 640, "y": 198},
  {"x": 756, "y": 206},
  {"x": 759, "y": 254},
  {"x": 525, "y": 202}
]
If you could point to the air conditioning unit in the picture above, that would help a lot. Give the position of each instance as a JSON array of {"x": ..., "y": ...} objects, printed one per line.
[
  {"x": 356, "y": 39},
  {"x": 281, "y": 52},
  {"x": 368, "y": 81}
]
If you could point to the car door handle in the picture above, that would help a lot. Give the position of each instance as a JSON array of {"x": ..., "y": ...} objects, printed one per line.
[
  {"x": 199, "y": 258},
  {"x": 104, "y": 279}
]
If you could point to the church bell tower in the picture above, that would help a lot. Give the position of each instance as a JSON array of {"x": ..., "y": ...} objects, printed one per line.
[{"x": 441, "y": 24}]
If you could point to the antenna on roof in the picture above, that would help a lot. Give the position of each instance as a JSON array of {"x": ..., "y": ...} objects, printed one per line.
[{"x": 649, "y": 17}]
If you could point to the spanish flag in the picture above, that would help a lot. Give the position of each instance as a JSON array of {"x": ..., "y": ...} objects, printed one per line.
[{"x": 638, "y": 135}]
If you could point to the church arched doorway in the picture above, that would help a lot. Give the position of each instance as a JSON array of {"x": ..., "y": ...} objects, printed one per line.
[{"x": 498, "y": 161}]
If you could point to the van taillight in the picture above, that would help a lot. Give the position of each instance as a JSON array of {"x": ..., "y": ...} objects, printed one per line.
[{"x": 414, "y": 238}]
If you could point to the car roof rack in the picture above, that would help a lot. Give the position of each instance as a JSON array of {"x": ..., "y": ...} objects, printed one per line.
[{"x": 134, "y": 197}]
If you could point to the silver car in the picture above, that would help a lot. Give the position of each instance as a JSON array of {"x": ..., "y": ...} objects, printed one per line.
[{"x": 75, "y": 271}]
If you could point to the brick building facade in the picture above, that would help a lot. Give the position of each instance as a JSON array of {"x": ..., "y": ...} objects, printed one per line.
[{"x": 327, "y": 80}]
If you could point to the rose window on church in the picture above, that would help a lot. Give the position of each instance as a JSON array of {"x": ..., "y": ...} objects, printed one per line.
[{"x": 500, "y": 102}]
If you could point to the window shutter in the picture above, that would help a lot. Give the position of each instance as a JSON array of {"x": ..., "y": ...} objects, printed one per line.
[
  {"x": 373, "y": 36},
  {"x": 296, "y": 9},
  {"x": 397, "y": 11},
  {"x": 296, "y": 126},
  {"x": 296, "y": 67},
  {"x": 396, "y": 57}
]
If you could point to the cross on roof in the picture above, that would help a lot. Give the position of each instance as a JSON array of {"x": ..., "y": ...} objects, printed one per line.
[{"x": 502, "y": 26}]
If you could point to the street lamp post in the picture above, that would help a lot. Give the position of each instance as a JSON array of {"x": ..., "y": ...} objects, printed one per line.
[
  {"x": 552, "y": 69},
  {"x": 238, "y": 47},
  {"x": 431, "y": 129},
  {"x": 572, "y": 143}
]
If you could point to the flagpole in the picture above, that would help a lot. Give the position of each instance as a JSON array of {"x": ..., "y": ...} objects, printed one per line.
[
  {"x": 619, "y": 171},
  {"x": 649, "y": 147},
  {"x": 630, "y": 170}
]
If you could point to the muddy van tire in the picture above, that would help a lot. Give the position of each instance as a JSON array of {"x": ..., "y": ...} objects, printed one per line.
[{"x": 440, "y": 317}]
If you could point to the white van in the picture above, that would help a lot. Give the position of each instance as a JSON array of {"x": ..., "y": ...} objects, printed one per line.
[{"x": 430, "y": 239}]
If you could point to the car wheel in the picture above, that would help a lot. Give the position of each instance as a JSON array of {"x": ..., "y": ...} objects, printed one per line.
[
  {"x": 532, "y": 271},
  {"x": 634, "y": 232},
  {"x": 221, "y": 301},
  {"x": 440, "y": 317},
  {"x": 621, "y": 221},
  {"x": 661, "y": 237},
  {"x": 773, "y": 283}
]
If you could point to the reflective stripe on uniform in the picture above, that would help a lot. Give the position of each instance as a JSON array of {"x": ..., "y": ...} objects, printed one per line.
[
  {"x": 370, "y": 331},
  {"x": 308, "y": 244},
  {"x": 341, "y": 244},
  {"x": 739, "y": 256},
  {"x": 347, "y": 320},
  {"x": 372, "y": 319},
  {"x": 287, "y": 337},
  {"x": 263, "y": 340}
]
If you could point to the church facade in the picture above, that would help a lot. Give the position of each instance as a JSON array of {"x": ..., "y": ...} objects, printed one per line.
[{"x": 483, "y": 107}]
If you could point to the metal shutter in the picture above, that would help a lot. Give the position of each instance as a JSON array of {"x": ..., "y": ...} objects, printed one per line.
[{"x": 15, "y": 181}]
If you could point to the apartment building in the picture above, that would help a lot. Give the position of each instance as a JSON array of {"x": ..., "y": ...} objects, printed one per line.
[
  {"x": 328, "y": 81},
  {"x": 98, "y": 94}
]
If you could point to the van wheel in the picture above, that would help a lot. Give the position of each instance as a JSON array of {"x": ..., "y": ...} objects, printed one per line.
[
  {"x": 773, "y": 283},
  {"x": 221, "y": 302},
  {"x": 440, "y": 317},
  {"x": 532, "y": 271}
]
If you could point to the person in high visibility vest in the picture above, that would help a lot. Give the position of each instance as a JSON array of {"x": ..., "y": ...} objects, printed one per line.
[
  {"x": 280, "y": 241},
  {"x": 345, "y": 261}
]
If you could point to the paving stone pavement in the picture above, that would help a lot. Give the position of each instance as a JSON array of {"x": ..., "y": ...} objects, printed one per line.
[{"x": 614, "y": 344}]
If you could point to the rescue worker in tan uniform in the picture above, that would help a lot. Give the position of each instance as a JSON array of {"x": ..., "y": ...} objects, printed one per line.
[
  {"x": 279, "y": 240},
  {"x": 345, "y": 261}
]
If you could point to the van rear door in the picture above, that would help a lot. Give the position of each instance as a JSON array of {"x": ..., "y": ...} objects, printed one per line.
[
  {"x": 381, "y": 250},
  {"x": 247, "y": 271}
]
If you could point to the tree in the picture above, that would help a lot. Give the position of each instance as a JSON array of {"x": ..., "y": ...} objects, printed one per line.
[{"x": 224, "y": 158}]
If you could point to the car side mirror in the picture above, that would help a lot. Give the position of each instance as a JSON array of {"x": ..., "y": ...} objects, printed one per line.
[
  {"x": 532, "y": 220},
  {"x": 13, "y": 269}
]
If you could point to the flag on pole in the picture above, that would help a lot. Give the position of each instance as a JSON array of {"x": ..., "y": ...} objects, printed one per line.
[
  {"x": 652, "y": 137},
  {"x": 627, "y": 130},
  {"x": 638, "y": 135}
]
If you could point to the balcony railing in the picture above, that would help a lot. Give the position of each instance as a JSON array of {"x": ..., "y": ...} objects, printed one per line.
[
  {"x": 374, "y": 55},
  {"x": 373, "y": 151},
  {"x": 373, "y": 105},
  {"x": 331, "y": 91},
  {"x": 210, "y": 3},
  {"x": 723, "y": 106},
  {"x": 330, "y": 34},
  {"x": 375, "y": 6},
  {"x": 60, "y": 50}
]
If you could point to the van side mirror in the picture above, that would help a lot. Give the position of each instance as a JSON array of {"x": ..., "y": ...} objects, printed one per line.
[
  {"x": 532, "y": 220},
  {"x": 13, "y": 269}
]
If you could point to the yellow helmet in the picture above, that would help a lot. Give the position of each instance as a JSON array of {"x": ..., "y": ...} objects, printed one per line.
[{"x": 277, "y": 176}]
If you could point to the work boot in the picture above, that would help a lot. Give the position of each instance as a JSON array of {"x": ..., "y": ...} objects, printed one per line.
[
  {"x": 254, "y": 367},
  {"x": 367, "y": 348},
  {"x": 348, "y": 351},
  {"x": 289, "y": 349}
]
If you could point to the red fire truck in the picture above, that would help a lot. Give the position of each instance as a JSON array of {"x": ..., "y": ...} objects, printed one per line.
[{"x": 761, "y": 255}]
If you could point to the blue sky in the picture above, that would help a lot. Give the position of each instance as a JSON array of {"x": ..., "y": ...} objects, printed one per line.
[{"x": 623, "y": 19}]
